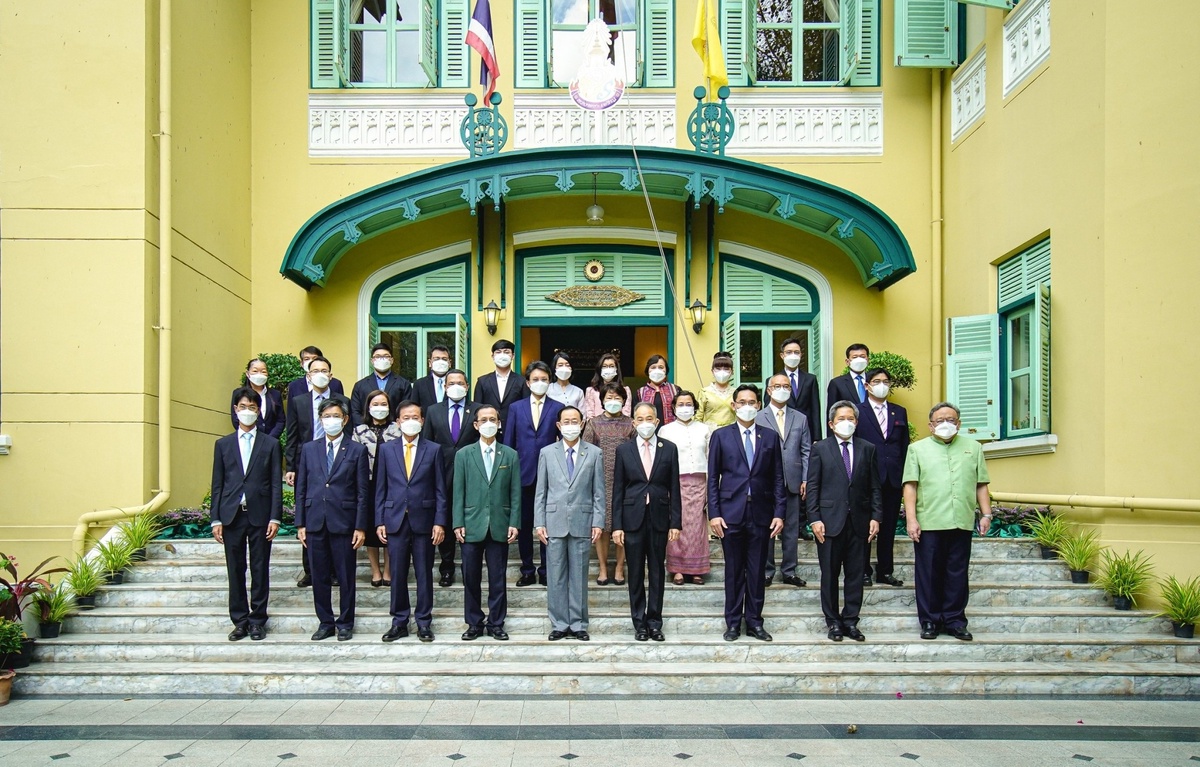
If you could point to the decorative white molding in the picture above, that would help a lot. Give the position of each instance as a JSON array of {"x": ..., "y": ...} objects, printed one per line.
[
  {"x": 1011, "y": 448},
  {"x": 968, "y": 90},
  {"x": 818, "y": 123},
  {"x": 552, "y": 119},
  {"x": 358, "y": 124},
  {"x": 592, "y": 234},
  {"x": 1026, "y": 41}
]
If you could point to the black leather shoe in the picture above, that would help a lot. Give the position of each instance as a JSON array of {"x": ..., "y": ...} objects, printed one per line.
[
  {"x": 641, "y": 635},
  {"x": 732, "y": 633},
  {"x": 498, "y": 634},
  {"x": 855, "y": 634},
  {"x": 960, "y": 632},
  {"x": 583, "y": 636},
  {"x": 395, "y": 632},
  {"x": 304, "y": 582},
  {"x": 795, "y": 580},
  {"x": 526, "y": 580},
  {"x": 889, "y": 580},
  {"x": 239, "y": 632},
  {"x": 929, "y": 630},
  {"x": 867, "y": 580},
  {"x": 323, "y": 633},
  {"x": 657, "y": 635},
  {"x": 805, "y": 535},
  {"x": 424, "y": 633},
  {"x": 758, "y": 633},
  {"x": 257, "y": 632},
  {"x": 345, "y": 635},
  {"x": 557, "y": 635},
  {"x": 835, "y": 633},
  {"x": 447, "y": 579},
  {"x": 769, "y": 581},
  {"x": 541, "y": 580},
  {"x": 336, "y": 582}
]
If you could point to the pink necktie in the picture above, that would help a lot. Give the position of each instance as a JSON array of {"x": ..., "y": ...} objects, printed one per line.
[
  {"x": 881, "y": 416},
  {"x": 646, "y": 463}
]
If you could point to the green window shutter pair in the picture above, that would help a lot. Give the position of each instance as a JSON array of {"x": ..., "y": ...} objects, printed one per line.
[
  {"x": 330, "y": 43},
  {"x": 739, "y": 33},
  {"x": 927, "y": 31},
  {"x": 658, "y": 42}
]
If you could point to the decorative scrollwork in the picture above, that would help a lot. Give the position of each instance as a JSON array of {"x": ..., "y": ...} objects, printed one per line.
[
  {"x": 711, "y": 125},
  {"x": 484, "y": 130},
  {"x": 595, "y": 296}
]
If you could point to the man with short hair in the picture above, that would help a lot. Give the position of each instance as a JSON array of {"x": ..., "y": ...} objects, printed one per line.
[
  {"x": 885, "y": 425},
  {"x": 945, "y": 476},
  {"x": 395, "y": 386},
  {"x": 501, "y": 388},
  {"x": 302, "y": 384},
  {"x": 431, "y": 389},
  {"x": 851, "y": 386},
  {"x": 451, "y": 425},
  {"x": 303, "y": 425},
  {"x": 805, "y": 394},
  {"x": 792, "y": 429}
]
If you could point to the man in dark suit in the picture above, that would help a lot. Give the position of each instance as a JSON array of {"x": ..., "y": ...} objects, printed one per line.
[
  {"x": 270, "y": 402},
  {"x": 844, "y": 507},
  {"x": 431, "y": 389},
  {"x": 791, "y": 426},
  {"x": 529, "y": 428},
  {"x": 851, "y": 386},
  {"x": 501, "y": 387},
  {"x": 885, "y": 425},
  {"x": 302, "y": 385},
  {"x": 646, "y": 512},
  {"x": 247, "y": 507},
  {"x": 304, "y": 426},
  {"x": 747, "y": 501},
  {"x": 332, "y": 482},
  {"x": 411, "y": 516},
  {"x": 805, "y": 392},
  {"x": 395, "y": 386},
  {"x": 487, "y": 518},
  {"x": 451, "y": 425}
]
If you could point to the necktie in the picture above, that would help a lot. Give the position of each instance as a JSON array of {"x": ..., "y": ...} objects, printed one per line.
[
  {"x": 329, "y": 460},
  {"x": 779, "y": 421},
  {"x": 245, "y": 451},
  {"x": 749, "y": 444},
  {"x": 456, "y": 423},
  {"x": 537, "y": 413},
  {"x": 881, "y": 416},
  {"x": 487, "y": 463},
  {"x": 647, "y": 464},
  {"x": 795, "y": 386},
  {"x": 862, "y": 392},
  {"x": 408, "y": 459},
  {"x": 570, "y": 464},
  {"x": 318, "y": 429},
  {"x": 846, "y": 458},
  {"x": 438, "y": 383}
]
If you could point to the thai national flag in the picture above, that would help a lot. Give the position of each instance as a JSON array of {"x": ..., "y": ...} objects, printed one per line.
[{"x": 479, "y": 37}]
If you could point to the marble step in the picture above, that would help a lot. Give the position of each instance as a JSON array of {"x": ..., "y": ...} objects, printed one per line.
[
  {"x": 711, "y": 594},
  {"x": 387, "y": 678},
  {"x": 450, "y": 648},
  {"x": 781, "y": 619}
]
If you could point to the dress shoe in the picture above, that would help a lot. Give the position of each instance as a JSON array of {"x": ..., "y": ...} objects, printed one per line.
[
  {"x": 657, "y": 635},
  {"x": 499, "y": 635},
  {"x": 960, "y": 632},
  {"x": 396, "y": 632},
  {"x": 795, "y": 580},
  {"x": 239, "y": 632},
  {"x": 867, "y": 580},
  {"x": 387, "y": 584},
  {"x": 257, "y": 632},
  {"x": 335, "y": 582},
  {"x": 641, "y": 635},
  {"x": 769, "y": 581},
  {"x": 855, "y": 634},
  {"x": 541, "y": 580},
  {"x": 557, "y": 635},
  {"x": 376, "y": 582},
  {"x": 304, "y": 582},
  {"x": 758, "y": 633},
  {"x": 805, "y": 535},
  {"x": 835, "y": 633},
  {"x": 447, "y": 580},
  {"x": 929, "y": 630},
  {"x": 323, "y": 633},
  {"x": 889, "y": 580},
  {"x": 345, "y": 635},
  {"x": 526, "y": 580},
  {"x": 472, "y": 633},
  {"x": 583, "y": 636},
  {"x": 424, "y": 633},
  {"x": 732, "y": 633}
]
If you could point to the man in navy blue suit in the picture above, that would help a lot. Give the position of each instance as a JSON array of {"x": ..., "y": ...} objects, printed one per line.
[
  {"x": 303, "y": 385},
  {"x": 747, "y": 500},
  {"x": 332, "y": 478},
  {"x": 411, "y": 517},
  {"x": 529, "y": 428},
  {"x": 885, "y": 425}
]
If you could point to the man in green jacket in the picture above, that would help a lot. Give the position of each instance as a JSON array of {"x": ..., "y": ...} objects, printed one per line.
[{"x": 487, "y": 516}]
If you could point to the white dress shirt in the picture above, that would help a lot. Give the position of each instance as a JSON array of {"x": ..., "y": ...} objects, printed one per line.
[{"x": 691, "y": 439}]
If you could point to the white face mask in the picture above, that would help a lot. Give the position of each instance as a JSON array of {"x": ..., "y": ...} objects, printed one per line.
[
  {"x": 488, "y": 429},
  {"x": 320, "y": 380},
  {"x": 539, "y": 387},
  {"x": 456, "y": 392},
  {"x": 646, "y": 430},
  {"x": 502, "y": 360},
  {"x": 439, "y": 367},
  {"x": 258, "y": 379},
  {"x": 722, "y": 376},
  {"x": 945, "y": 430},
  {"x": 381, "y": 364},
  {"x": 562, "y": 373},
  {"x": 880, "y": 391},
  {"x": 746, "y": 413},
  {"x": 844, "y": 429},
  {"x": 781, "y": 395},
  {"x": 858, "y": 364},
  {"x": 571, "y": 433},
  {"x": 657, "y": 375},
  {"x": 685, "y": 413},
  {"x": 247, "y": 417},
  {"x": 410, "y": 428},
  {"x": 791, "y": 360},
  {"x": 613, "y": 406},
  {"x": 304, "y": 364},
  {"x": 332, "y": 426},
  {"x": 608, "y": 374},
  {"x": 378, "y": 412}
]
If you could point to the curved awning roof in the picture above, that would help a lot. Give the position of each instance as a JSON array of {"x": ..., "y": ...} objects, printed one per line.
[{"x": 859, "y": 229}]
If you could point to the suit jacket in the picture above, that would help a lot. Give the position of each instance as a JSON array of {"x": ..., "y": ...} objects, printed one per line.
[
  {"x": 569, "y": 507},
  {"x": 437, "y": 429},
  {"x": 398, "y": 389},
  {"x": 742, "y": 494},
  {"x": 520, "y": 435},
  {"x": 337, "y": 502},
  {"x": 842, "y": 388},
  {"x": 796, "y": 444},
  {"x": 422, "y": 496},
  {"x": 891, "y": 451},
  {"x": 299, "y": 386},
  {"x": 631, "y": 485},
  {"x": 487, "y": 392},
  {"x": 806, "y": 398},
  {"x": 299, "y": 428},
  {"x": 481, "y": 505},
  {"x": 261, "y": 483},
  {"x": 270, "y": 419},
  {"x": 424, "y": 392},
  {"x": 836, "y": 499}
]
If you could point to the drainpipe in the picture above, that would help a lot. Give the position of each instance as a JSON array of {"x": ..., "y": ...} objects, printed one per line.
[
  {"x": 935, "y": 173},
  {"x": 163, "y": 492}
]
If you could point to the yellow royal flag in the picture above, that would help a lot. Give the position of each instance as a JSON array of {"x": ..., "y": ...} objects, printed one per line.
[{"x": 707, "y": 42}]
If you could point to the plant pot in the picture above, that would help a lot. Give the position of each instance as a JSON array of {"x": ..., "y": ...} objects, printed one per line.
[
  {"x": 18, "y": 659},
  {"x": 49, "y": 630},
  {"x": 1080, "y": 576},
  {"x": 1122, "y": 603},
  {"x": 87, "y": 602},
  {"x": 1048, "y": 552},
  {"x": 115, "y": 579},
  {"x": 6, "y": 680},
  {"x": 138, "y": 555},
  {"x": 1184, "y": 630}
]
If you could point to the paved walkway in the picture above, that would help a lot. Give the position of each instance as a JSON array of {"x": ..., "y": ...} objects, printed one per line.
[{"x": 521, "y": 732}]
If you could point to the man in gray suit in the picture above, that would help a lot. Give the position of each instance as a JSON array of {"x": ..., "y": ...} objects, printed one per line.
[
  {"x": 568, "y": 514},
  {"x": 793, "y": 429}
]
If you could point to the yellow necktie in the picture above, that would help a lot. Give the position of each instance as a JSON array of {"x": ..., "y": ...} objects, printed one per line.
[
  {"x": 779, "y": 420},
  {"x": 537, "y": 413},
  {"x": 408, "y": 459}
]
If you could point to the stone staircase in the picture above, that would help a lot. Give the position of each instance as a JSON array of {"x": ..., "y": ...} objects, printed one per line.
[{"x": 163, "y": 632}]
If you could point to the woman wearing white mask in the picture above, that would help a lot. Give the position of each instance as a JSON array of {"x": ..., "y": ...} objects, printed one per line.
[
  {"x": 658, "y": 391},
  {"x": 608, "y": 432},
  {"x": 688, "y": 557},
  {"x": 270, "y": 401},
  {"x": 561, "y": 388},
  {"x": 377, "y": 429},
  {"x": 714, "y": 403},
  {"x": 608, "y": 370}
]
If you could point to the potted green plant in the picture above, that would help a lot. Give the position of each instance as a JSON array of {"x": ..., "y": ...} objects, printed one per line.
[
  {"x": 6, "y": 679},
  {"x": 54, "y": 604},
  {"x": 138, "y": 532},
  {"x": 84, "y": 579},
  {"x": 114, "y": 556},
  {"x": 1048, "y": 529},
  {"x": 1182, "y": 599},
  {"x": 16, "y": 593},
  {"x": 1079, "y": 551},
  {"x": 1124, "y": 576},
  {"x": 12, "y": 644}
]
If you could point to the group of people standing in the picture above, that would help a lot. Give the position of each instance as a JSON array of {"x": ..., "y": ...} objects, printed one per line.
[{"x": 418, "y": 472}]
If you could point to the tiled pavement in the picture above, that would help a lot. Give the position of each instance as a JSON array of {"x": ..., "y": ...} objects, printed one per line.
[{"x": 461, "y": 732}]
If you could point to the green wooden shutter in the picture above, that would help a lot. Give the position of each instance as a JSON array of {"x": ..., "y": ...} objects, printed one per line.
[
  {"x": 1040, "y": 349},
  {"x": 330, "y": 43},
  {"x": 926, "y": 33},
  {"x": 462, "y": 348},
  {"x": 850, "y": 39},
  {"x": 658, "y": 36},
  {"x": 427, "y": 56},
  {"x": 739, "y": 20},
  {"x": 731, "y": 334},
  {"x": 372, "y": 333},
  {"x": 454, "y": 61},
  {"x": 531, "y": 44},
  {"x": 867, "y": 71},
  {"x": 973, "y": 373},
  {"x": 814, "y": 365},
  {"x": 1006, "y": 4}
]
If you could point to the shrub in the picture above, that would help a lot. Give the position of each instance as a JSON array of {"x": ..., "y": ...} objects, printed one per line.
[{"x": 1124, "y": 575}]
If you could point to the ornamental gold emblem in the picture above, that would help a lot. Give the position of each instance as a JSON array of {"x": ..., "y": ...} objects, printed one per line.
[{"x": 593, "y": 270}]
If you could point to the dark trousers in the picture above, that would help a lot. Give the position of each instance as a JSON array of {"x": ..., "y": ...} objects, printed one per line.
[
  {"x": 645, "y": 558},
  {"x": 841, "y": 557},
  {"x": 404, "y": 545},
  {"x": 941, "y": 559},
  {"x": 789, "y": 540},
  {"x": 525, "y": 535},
  {"x": 446, "y": 552},
  {"x": 745, "y": 549},
  {"x": 240, "y": 537},
  {"x": 886, "y": 540},
  {"x": 332, "y": 554},
  {"x": 473, "y": 556}
]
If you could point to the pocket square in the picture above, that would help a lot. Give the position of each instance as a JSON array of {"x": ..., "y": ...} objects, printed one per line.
[{"x": 504, "y": 466}]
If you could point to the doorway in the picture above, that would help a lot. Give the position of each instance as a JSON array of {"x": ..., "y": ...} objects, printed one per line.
[{"x": 632, "y": 345}]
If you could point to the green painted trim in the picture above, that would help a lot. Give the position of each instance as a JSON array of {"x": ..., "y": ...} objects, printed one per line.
[
  {"x": 417, "y": 272},
  {"x": 711, "y": 255},
  {"x": 774, "y": 272},
  {"x": 503, "y": 255},
  {"x": 480, "y": 238},
  {"x": 688, "y": 245},
  {"x": 416, "y": 320}
]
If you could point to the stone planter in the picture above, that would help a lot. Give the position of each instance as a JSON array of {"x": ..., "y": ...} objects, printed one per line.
[
  {"x": 1184, "y": 630},
  {"x": 1080, "y": 576},
  {"x": 1122, "y": 603},
  {"x": 6, "y": 680},
  {"x": 49, "y": 630},
  {"x": 1048, "y": 552}
]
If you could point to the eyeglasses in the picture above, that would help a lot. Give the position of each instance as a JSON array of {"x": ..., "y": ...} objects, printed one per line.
[
  {"x": 938, "y": 421},
  {"x": 250, "y": 408}
]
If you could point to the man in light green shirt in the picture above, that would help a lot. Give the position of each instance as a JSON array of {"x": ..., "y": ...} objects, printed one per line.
[{"x": 945, "y": 477}]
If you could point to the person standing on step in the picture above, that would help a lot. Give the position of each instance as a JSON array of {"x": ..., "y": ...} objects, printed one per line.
[
  {"x": 303, "y": 384},
  {"x": 568, "y": 514},
  {"x": 486, "y": 514},
  {"x": 382, "y": 379},
  {"x": 747, "y": 502},
  {"x": 501, "y": 387},
  {"x": 372, "y": 434},
  {"x": 945, "y": 477},
  {"x": 688, "y": 557},
  {"x": 885, "y": 425},
  {"x": 561, "y": 389},
  {"x": 714, "y": 402},
  {"x": 451, "y": 425},
  {"x": 792, "y": 428},
  {"x": 844, "y": 507},
  {"x": 304, "y": 426},
  {"x": 270, "y": 403},
  {"x": 332, "y": 481},
  {"x": 647, "y": 512},
  {"x": 851, "y": 386},
  {"x": 247, "y": 507},
  {"x": 805, "y": 391},
  {"x": 657, "y": 390},
  {"x": 608, "y": 432},
  {"x": 608, "y": 370},
  {"x": 412, "y": 513},
  {"x": 431, "y": 389}
]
